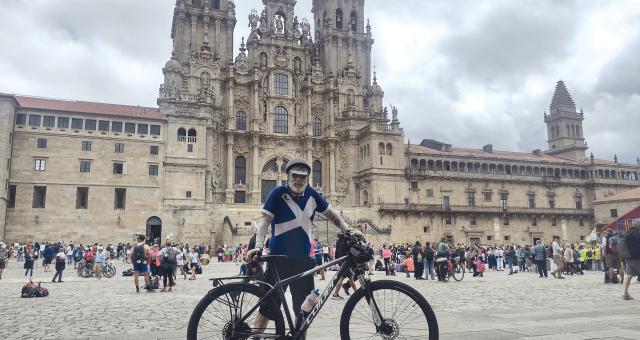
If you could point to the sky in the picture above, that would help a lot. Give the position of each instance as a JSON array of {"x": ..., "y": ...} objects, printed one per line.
[{"x": 464, "y": 72}]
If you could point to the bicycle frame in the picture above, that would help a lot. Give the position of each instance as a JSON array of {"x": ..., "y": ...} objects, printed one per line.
[{"x": 294, "y": 331}]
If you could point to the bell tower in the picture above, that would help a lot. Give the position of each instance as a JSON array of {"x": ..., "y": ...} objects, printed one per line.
[
  {"x": 564, "y": 126},
  {"x": 342, "y": 38}
]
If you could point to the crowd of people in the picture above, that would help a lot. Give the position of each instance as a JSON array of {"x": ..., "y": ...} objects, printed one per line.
[{"x": 554, "y": 258}]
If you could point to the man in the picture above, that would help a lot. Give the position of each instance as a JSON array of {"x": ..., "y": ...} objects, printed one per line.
[
  {"x": 3, "y": 258},
  {"x": 317, "y": 252},
  {"x": 289, "y": 210},
  {"x": 557, "y": 258},
  {"x": 101, "y": 260},
  {"x": 140, "y": 257},
  {"x": 632, "y": 263},
  {"x": 417, "y": 254},
  {"x": 540, "y": 257}
]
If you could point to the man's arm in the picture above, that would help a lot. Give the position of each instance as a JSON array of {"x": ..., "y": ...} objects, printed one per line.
[
  {"x": 336, "y": 219},
  {"x": 262, "y": 230}
]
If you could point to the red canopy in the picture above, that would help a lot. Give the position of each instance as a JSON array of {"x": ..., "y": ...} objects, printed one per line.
[{"x": 624, "y": 221}]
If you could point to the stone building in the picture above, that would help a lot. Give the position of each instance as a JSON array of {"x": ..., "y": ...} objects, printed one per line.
[{"x": 199, "y": 166}]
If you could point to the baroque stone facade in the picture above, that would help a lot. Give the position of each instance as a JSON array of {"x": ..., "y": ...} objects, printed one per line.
[{"x": 199, "y": 166}]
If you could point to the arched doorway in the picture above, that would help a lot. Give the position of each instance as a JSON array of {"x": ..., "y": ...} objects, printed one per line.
[
  {"x": 273, "y": 174},
  {"x": 154, "y": 229}
]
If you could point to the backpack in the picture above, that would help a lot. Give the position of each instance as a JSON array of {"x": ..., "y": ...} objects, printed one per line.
[
  {"x": 629, "y": 244},
  {"x": 169, "y": 260},
  {"x": 138, "y": 254},
  {"x": 30, "y": 290}
]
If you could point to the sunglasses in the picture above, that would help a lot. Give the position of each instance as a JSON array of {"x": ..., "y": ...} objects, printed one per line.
[{"x": 299, "y": 176}]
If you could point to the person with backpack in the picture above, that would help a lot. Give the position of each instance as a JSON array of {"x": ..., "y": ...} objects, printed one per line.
[
  {"x": 60, "y": 265},
  {"x": 28, "y": 264},
  {"x": 428, "y": 265},
  {"x": 630, "y": 251},
  {"x": 612, "y": 260},
  {"x": 168, "y": 263},
  {"x": 417, "y": 253},
  {"x": 140, "y": 260}
]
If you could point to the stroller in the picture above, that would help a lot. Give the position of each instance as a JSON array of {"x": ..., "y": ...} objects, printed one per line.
[{"x": 479, "y": 268}]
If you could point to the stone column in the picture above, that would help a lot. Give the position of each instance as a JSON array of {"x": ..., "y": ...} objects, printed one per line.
[
  {"x": 255, "y": 171},
  {"x": 230, "y": 163},
  {"x": 332, "y": 170}
]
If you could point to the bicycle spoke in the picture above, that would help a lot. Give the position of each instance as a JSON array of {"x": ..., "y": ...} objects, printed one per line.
[{"x": 401, "y": 315}]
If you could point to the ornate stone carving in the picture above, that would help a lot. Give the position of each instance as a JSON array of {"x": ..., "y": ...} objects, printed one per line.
[
  {"x": 241, "y": 102},
  {"x": 317, "y": 109}
]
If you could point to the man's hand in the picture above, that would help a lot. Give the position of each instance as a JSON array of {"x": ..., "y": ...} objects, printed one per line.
[{"x": 254, "y": 254}]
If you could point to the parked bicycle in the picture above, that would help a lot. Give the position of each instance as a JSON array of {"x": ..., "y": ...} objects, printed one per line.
[
  {"x": 382, "y": 309},
  {"x": 449, "y": 266},
  {"x": 85, "y": 269}
]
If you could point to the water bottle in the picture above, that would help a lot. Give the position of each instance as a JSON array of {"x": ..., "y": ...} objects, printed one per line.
[{"x": 310, "y": 301}]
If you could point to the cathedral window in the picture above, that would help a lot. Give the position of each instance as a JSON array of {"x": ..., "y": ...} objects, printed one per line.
[
  {"x": 281, "y": 84},
  {"x": 182, "y": 135},
  {"x": 216, "y": 4},
  {"x": 196, "y": 3},
  {"x": 34, "y": 120},
  {"x": 354, "y": 21},
  {"x": 155, "y": 130},
  {"x": 143, "y": 129},
  {"x": 90, "y": 124},
  {"x": 63, "y": 123},
  {"x": 191, "y": 135},
  {"x": 381, "y": 148},
  {"x": 21, "y": 119},
  {"x": 389, "y": 149},
  {"x": 240, "y": 170},
  {"x": 130, "y": 127},
  {"x": 339, "y": 18},
  {"x": 317, "y": 174},
  {"x": 281, "y": 120},
  {"x": 414, "y": 163},
  {"x": 49, "y": 121},
  {"x": 241, "y": 121},
  {"x": 317, "y": 127},
  {"x": 116, "y": 126},
  {"x": 271, "y": 166},
  {"x": 103, "y": 125}
]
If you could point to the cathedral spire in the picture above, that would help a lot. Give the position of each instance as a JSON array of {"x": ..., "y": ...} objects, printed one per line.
[{"x": 562, "y": 100}]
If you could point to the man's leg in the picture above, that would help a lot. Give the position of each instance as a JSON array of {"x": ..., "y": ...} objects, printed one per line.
[{"x": 627, "y": 281}]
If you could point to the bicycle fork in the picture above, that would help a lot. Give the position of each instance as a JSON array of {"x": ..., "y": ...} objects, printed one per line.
[{"x": 373, "y": 306}]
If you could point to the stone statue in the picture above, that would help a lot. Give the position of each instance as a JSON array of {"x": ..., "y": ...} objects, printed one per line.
[
  {"x": 296, "y": 65},
  {"x": 263, "y": 60},
  {"x": 254, "y": 19},
  {"x": 279, "y": 24}
]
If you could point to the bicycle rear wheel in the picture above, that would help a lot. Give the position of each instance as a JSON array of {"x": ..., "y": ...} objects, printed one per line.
[
  {"x": 406, "y": 314},
  {"x": 109, "y": 271},
  {"x": 216, "y": 315},
  {"x": 457, "y": 272}
]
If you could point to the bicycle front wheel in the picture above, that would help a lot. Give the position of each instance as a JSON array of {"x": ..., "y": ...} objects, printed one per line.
[
  {"x": 218, "y": 314},
  {"x": 405, "y": 314},
  {"x": 457, "y": 272}
]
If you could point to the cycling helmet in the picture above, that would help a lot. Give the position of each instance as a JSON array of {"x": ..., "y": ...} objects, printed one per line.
[{"x": 297, "y": 163}]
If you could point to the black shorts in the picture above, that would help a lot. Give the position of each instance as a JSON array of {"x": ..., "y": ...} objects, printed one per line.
[{"x": 287, "y": 267}]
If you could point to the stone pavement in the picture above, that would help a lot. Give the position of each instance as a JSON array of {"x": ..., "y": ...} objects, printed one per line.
[{"x": 497, "y": 306}]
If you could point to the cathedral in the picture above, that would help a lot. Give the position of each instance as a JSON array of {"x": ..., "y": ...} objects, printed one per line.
[{"x": 198, "y": 167}]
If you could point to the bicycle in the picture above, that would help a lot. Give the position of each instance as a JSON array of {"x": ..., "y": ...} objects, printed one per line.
[
  {"x": 383, "y": 309},
  {"x": 457, "y": 269},
  {"x": 86, "y": 269}
]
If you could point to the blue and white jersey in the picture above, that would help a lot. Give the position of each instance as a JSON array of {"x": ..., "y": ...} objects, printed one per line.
[{"x": 291, "y": 220}]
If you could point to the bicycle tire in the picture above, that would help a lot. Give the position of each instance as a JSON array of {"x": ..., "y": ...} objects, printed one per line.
[
  {"x": 398, "y": 293},
  {"x": 457, "y": 272},
  {"x": 226, "y": 293},
  {"x": 109, "y": 271}
]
